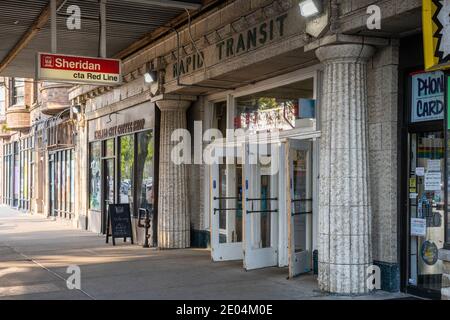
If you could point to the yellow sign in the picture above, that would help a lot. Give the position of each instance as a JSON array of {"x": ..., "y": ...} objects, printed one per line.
[{"x": 436, "y": 34}]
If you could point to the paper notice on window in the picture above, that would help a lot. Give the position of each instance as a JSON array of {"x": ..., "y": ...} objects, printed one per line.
[
  {"x": 420, "y": 172},
  {"x": 418, "y": 227},
  {"x": 433, "y": 181},
  {"x": 434, "y": 166}
]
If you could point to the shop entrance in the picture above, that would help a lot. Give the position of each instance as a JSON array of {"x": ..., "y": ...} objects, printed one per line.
[
  {"x": 226, "y": 196},
  {"x": 426, "y": 211},
  {"x": 109, "y": 178},
  {"x": 262, "y": 205},
  {"x": 300, "y": 206}
]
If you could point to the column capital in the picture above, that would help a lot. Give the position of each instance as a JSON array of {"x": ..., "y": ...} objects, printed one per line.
[
  {"x": 173, "y": 105},
  {"x": 173, "y": 102},
  {"x": 345, "y": 52}
]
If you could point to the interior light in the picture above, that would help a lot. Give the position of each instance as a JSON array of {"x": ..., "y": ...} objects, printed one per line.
[{"x": 309, "y": 8}]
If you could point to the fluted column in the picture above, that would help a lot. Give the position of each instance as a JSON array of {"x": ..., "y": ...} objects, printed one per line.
[
  {"x": 173, "y": 215},
  {"x": 344, "y": 209}
]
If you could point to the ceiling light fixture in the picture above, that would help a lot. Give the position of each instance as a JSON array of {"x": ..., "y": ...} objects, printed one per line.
[
  {"x": 150, "y": 77},
  {"x": 310, "y": 8}
]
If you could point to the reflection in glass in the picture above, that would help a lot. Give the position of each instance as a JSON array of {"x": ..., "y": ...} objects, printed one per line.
[
  {"x": 126, "y": 169},
  {"x": 144, "y": 171},
  {"x": 302, "y": 206},
  {"x": 426, "y": 190},
  {"x": 230, "y": 202},
  {"x": 276, "y": 109},
  {"x": 265, "y": 215},
  {"x": 95, "y": 154},
  {"x": 109, "y": 148},
  {"x": 109, "y": 181}
]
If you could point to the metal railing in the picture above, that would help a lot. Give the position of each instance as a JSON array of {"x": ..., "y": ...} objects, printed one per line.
[{"x": 302, "y": 213}]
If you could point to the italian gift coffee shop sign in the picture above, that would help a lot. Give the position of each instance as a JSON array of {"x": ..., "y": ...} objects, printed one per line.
[
  {"x": 76, "y": 69},
  {"x": 427, "y": 97}
]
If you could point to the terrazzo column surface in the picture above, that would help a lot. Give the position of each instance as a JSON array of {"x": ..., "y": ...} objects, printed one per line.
[
  {"x": 344, "y": 208},
  {"x": 173, "y": 215}
]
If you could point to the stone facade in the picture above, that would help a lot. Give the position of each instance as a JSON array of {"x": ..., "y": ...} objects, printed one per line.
[
  {"x": 359, "y": 180},
  {"x": 444, "y": 255},
  {"x": 383, "y": 145}
]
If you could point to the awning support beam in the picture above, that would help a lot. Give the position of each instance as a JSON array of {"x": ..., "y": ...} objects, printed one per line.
[
  {"x": 103, "y": 28},
  {"x": 170, "y": 4},
  {"x": 54, "y": 35}
]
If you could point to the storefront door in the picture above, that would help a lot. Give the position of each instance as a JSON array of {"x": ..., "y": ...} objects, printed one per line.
[
  {"x": 300, "y": 207},
  {"x": 426, "y": 211},
  {"x": 226, "y": 215},
  {"x": 261, "y": 205},
  {"x": 109, "y": 188},
  {"x": 52, "y": 191}
]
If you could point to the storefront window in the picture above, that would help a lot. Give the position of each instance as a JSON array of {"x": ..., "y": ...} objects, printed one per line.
[
  {"x": 447, "y": 221},
  {"x": 18, "y": 91},
  {"x": 95, "y": 155},
  {"x": 426, "y": 190},
  {"x": 109, "y": 148},
  {"x": 220, "y": 118},
  {"x": 144, "y": 170},
  {"x": 16, "y": 174},
  {"x": 72, "y": 181},
  {"x": 2, "y": 102},
  {"x": 276, "y": 109},
  {"x": 126, "y": 144}
]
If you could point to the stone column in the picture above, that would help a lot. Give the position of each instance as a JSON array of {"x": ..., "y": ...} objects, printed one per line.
[
  {"x": 344, "y": 209},
  {"x": 173, "y": 215}
]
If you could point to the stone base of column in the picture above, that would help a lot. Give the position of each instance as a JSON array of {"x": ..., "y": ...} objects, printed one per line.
[{"x": 444, "y": 255}]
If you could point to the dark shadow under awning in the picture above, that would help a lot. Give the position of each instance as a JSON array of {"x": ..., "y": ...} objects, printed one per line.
[{"x": 25, "y": 28}]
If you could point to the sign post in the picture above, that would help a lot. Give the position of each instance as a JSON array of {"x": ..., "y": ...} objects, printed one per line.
[
  {"x": 78, "y": 69},
  {"x": 119, "y": 223}
]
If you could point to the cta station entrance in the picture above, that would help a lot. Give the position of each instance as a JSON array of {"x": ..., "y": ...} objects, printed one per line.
[{"x": 263, "y": 186}]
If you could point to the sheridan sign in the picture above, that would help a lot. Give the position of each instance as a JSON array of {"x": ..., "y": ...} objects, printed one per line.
[{"x": 77, "y": 69}]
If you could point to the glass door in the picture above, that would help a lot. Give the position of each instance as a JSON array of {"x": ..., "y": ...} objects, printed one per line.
[
  {"x": 109, "y": 179},
  {"x": 300, "y": 207},
  {"x": 261, "y": 209},
  {"x": 426, "y": 210},
  {"x": 226, "y": 211},
  {"x": 51, "y": 172}
]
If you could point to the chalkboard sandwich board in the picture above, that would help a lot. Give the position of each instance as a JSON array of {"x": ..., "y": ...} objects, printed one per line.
[{"x": 119, "y": 223}]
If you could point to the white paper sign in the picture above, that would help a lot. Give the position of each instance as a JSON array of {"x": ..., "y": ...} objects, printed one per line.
[
  {"x": 413, "y": 195},
  {"x": 420, "y": 172},
  {"x": 433, "y": 181},
  {"x": 434, "y": 166},
  {"x": 427, "y": 96},
  {"x": 418, "y": 227}
]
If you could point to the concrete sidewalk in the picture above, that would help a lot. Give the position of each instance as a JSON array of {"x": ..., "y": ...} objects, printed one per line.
[{"x": 35, "y": 253}]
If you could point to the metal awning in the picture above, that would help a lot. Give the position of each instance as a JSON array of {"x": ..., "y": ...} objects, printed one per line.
[{"x": 25, "y": 28}]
